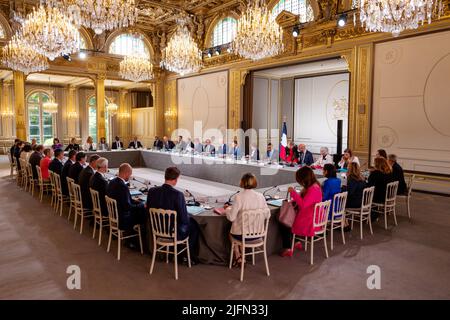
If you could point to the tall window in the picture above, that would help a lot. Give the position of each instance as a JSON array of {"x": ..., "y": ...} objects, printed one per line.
[
  {"x": 2, "y": 32},
  {"x": 128, "y": 44},
  {"x": 92, "y": 119},
  {"x": 40, "y": 124},
  {"x": 224, "y": 31},
  {"x": 299, "y": 7}
]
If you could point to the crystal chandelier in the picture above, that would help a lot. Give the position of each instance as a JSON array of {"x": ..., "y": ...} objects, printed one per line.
[
  {"x": 17, "y": 55},
  {"x": 258, "y": 36},
  {"x": 101, "y": 15},
  {"x": 396, "y": 16},
  {"x": 136, "y": 68},
  {"x": 50, "y": 32},
  {"x": 112, "y": 107},
  {"x": 50, "y": 106},
  {"x": 181, "y": 55}
]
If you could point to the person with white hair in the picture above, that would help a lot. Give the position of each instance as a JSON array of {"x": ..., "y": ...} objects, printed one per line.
[
  {"x": 324, "y": 158},
  {"x": 99, "y": 183}
]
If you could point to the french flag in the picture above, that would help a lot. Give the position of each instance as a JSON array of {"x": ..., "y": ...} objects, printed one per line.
[{"x": 283, "y": 144}]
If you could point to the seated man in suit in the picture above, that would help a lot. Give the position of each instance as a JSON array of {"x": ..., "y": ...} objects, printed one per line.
[
  {"x": 168, "y": 198},
  {"x": 208, "y": 148},
  {"x": 254, "y": 152},
  {"x": 305, "y": 157},
  {"x": 271, "y": 154},
  {"x": 135, "y": 144},
  {"x": 181, "y": 144},
  {"x": 198, "y": 147},
  {"x": 57, "y": 163},
  {"x": 77, "y": 167},
  {"x": 65, "y": 171},
  {"x": 235, "y": 151},
  {"x": 35, "y": 159},
  {"x": 99, "y": 183},
  {"x": 117, "y": 144},
  {"x": 167, "y": 144},
  {"x": 157, "y": 144},
  {"x": 223, "y": 149},
  {"x": 73, "y": 145},
  {"x": 131, "y": 212},
  {"x": 397, "y": 174},
  {"x": 84, "y": 179}
]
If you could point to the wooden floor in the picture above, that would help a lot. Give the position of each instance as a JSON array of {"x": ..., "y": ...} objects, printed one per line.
[{"x": 37, "y": 246}]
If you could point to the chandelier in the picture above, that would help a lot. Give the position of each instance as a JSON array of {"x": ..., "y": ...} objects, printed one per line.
[
  {"x": 258, "y": 35},
  {"x": 17, "y": 55},
  {"x": 101, "y": 15},
  {"x": 50, "y": 106},
  {"x": 48, "y": 31},
  {"x": 136, "y": 68},
  {"x": 181, "y": 55},
  {"x": 396, "y": 16},
  {"x": 112, "y": 107}
]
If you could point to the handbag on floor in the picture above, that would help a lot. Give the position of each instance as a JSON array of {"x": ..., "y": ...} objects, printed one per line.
[{"x": 288, "y": 212}]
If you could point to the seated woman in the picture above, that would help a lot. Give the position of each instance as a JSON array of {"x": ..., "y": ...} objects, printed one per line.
[
  {"x": 245, "y": 200},
  {"x": 380, "y": 177},
  {"x": 347, "y": 158},
  {"x": 26, "y": 152},
  {"x": 355, "y": 188},
  {"x": 73, "y": 145},
  {"x": 332, "y": 185},
  {"x": 56, "y": 144},
  {"x": 45, "y": 162},
  {"x": 309, "y": 196},
  {"x": 103, "y": 145},
  {"x": 89, "y": 145},
  {"x": 291, "y": 157}
]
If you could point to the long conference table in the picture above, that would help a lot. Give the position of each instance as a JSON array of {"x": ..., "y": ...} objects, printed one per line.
[{"x": 214, "y": 244}]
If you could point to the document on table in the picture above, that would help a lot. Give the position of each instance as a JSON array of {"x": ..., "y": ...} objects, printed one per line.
[
  {"x": 194, "y": 210},
  {"x": 135, "y": 193},
  {"x": 276, "y": 203}
]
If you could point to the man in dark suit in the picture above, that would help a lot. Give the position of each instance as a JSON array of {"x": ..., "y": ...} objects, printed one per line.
[
  {"x": 13, "y": 148},
  {"x": 84, "y": 178},
  {"x": 167, "y": 144},
  {"x": 209, "y": 148},
  {"x": 305, "y": 158},
  {"x": 75, "y": 169},
  {"x": 73, "y": 145},
  {"x": 35, "y": 159},
  {"x": 117, "y": 144},
  {"x": 131, "y": 212},
  {"x": 135, "y": 144},
  {"x": 99, "y": 183},
  {"x": 56, "y": 165},
  {"x": 157, "y": 144},
  {"x": 65, "y": 171},
  {"x": 168, "y": 198},
  {"x": 397, "y": 174}
]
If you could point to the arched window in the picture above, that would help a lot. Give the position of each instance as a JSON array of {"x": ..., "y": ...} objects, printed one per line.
[
  {"x": 40, "y": 124},
  {"x": 224, "y": 31},
  {"x": 129, "y": 44},
  {"x": 92, "y": 118},
  {"x": 298, "y": 7},
  {"x": 83, "y": 43},
  {"x": 2, "y": 32}
]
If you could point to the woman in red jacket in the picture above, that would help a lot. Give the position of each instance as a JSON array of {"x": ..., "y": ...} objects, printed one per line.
[
  {"x": 45, "y": 162},
  {"x": 310, "y": 195}
]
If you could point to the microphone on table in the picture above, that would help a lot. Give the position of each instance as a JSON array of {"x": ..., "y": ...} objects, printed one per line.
[
  {"x": 192, "y": 202},
  {"x": 265, "y": 192},
  {"x": 229, "y": 199}
]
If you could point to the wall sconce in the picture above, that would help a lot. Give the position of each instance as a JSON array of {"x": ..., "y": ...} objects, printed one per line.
[
  {"x": 7, "y": 114},
  {"x": 72, "y": 115},
  {"x": 123, "y": 115},
  {"x": 170, "y": 113}
]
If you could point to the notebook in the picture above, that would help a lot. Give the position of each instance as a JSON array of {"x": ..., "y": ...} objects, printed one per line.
[
  {"x": 276, "y": 203},
  {"x": 135, "y": 193},
  {"x": 194, "y": 210}
]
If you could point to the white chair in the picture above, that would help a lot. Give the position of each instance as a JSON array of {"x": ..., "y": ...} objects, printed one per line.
[
  {"x": 320, "y": 219},
  {"x": 164, "y": 230},
  {"x": 44, "y": 185},
  {"x": 60, "y": 197},
  {"x": 363, "y": 214},
  {"x": 52, "y": 189},
  {"x": 389, "y": 203},
  {"x": 408, "y": 194},
  {"x": 114, "y": 229},
  {"x": 254, "y": 236},
  {"x": 31, "y": 180},
  {"x": 99, "y": 219},
  {"x": 338, "y": 215},
  {"x": 70, "y": 182},
  {"x": 12, "y": 163},
  {"x": 78, "y": 207},
  {"x": 22, "y": 174}
]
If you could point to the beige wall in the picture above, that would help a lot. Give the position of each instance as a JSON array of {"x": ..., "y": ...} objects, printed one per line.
[
  {"x": 411, "y": 101},
  {"x": 143, "y": 125},
  {"x": 203, "y": 98}
]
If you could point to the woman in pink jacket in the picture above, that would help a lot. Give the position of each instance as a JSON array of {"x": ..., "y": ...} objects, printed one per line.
[{"x": 309, "y": 196}]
